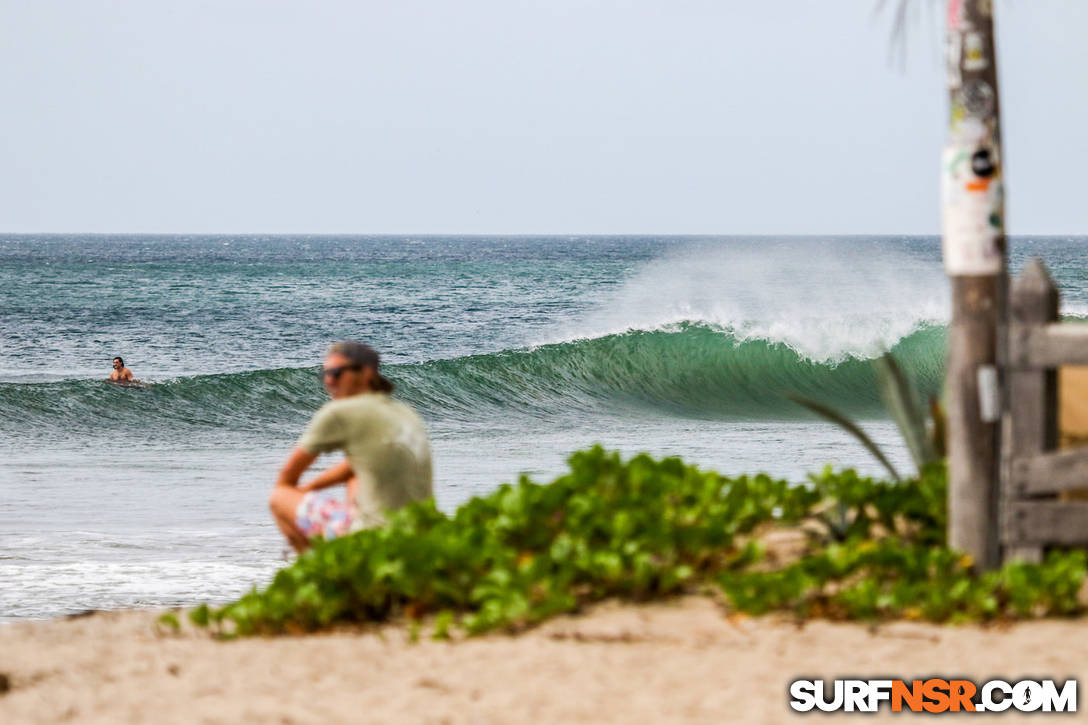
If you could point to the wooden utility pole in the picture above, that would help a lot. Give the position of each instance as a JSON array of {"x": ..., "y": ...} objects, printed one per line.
[{"x": 973, "y": 238}]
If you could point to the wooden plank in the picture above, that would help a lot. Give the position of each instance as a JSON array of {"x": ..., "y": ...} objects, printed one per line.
[
  {"x": 1041, "y": 523},
  {"x": 1030, "y": 422},
  {"x": 1029, "y": 553},
  {"x": 1051, "y": 472},
  {"x": 1048, "y": 346},
  {"x": 1032, "y": 416}
]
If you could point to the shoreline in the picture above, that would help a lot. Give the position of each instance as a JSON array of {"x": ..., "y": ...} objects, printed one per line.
[{"x": 679, "y": 660}]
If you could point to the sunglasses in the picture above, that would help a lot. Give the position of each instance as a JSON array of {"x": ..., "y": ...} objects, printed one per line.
[{"x": 337, "y": 371}]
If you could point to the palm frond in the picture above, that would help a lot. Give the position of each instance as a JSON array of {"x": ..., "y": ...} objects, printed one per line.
[
  {"x": 897, "y": 37},
  {"x": 901, "y": 400},
  {"x": 830, "y": 414}
]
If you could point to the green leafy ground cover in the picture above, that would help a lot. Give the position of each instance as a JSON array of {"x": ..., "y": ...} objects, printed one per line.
[{"x": 644, "y": 529}]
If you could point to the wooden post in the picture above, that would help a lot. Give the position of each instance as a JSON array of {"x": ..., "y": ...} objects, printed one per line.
[
  {"x": 1031, "y": 415},
  {"x": 973, "y": 235},
  {"x": 973, "y": 444}
]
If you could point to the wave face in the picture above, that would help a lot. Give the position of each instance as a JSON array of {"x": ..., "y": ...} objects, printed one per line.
[
  {"x": 691, "y": 370},
  {"x": 688, "y": 370}
]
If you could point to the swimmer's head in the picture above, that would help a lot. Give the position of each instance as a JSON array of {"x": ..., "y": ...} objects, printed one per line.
[
  {"x": 352, "y": 368},
  {"x": 118, "y": 363}
]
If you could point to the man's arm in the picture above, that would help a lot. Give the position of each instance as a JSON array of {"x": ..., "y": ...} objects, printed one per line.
[
  {"x": 331, "y": 476},
  {"x": 126, "y": 374},
  {"x": 297, "y": 463}
]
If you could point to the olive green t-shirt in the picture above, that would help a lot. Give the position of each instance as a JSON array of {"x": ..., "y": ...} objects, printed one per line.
[{"x": 386, "y": 445}]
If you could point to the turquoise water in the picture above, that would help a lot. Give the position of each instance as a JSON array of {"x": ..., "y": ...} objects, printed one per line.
[{"x": 515, "y": 350}]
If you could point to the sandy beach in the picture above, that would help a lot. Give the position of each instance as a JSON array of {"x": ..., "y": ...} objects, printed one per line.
[{"x": 678, "y": 661}]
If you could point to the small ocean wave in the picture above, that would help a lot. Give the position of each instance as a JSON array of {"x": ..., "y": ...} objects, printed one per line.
[
  {"x": 251, "y": 401},
  {"x": 688, "y": 369},
  {"x": 66, "y": 586},
  {"x": 1075, "y": 311}
]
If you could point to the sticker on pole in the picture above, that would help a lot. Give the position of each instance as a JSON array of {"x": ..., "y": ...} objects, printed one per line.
[{"x": 972, "y": 215}]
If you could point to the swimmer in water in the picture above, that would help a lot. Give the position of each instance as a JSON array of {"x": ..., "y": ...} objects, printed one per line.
[{"x": 120, "y": 372}]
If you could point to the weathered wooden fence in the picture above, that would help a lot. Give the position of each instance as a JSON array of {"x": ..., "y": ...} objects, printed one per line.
[{"x": 1035, "y": 510}]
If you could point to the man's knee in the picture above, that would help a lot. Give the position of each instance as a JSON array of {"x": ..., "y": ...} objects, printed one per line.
[{"x": 282, "y": 501}]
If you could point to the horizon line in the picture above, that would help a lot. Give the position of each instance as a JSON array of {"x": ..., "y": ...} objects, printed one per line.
[{"x": 517, "y": 234}]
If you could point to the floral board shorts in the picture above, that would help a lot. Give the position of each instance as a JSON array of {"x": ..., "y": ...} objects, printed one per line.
[{"x": 323, "y": 516}]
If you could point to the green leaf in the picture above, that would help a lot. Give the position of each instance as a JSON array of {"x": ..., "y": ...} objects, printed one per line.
[
  {"x": 849, "y": 426},
  {"x": 170, "y": 621},
  {"x": 901, "y": 400},
  {"x": 199, "y": 616}
]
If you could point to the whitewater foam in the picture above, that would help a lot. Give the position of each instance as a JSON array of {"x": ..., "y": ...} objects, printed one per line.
[
  {"x": 821, "y": 298},
  {"x": 1075, "y": 310}
]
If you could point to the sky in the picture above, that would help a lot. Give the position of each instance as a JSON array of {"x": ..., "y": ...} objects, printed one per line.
[{"x": 516, "y": 117}]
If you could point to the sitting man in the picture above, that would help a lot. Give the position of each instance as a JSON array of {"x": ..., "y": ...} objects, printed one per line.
[
  {"x": 388, "y": 456},
  {"x": 120, "y": 372}
]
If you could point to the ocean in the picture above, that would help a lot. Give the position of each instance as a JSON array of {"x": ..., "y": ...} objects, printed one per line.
[{"x": 516, "y": 351}]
